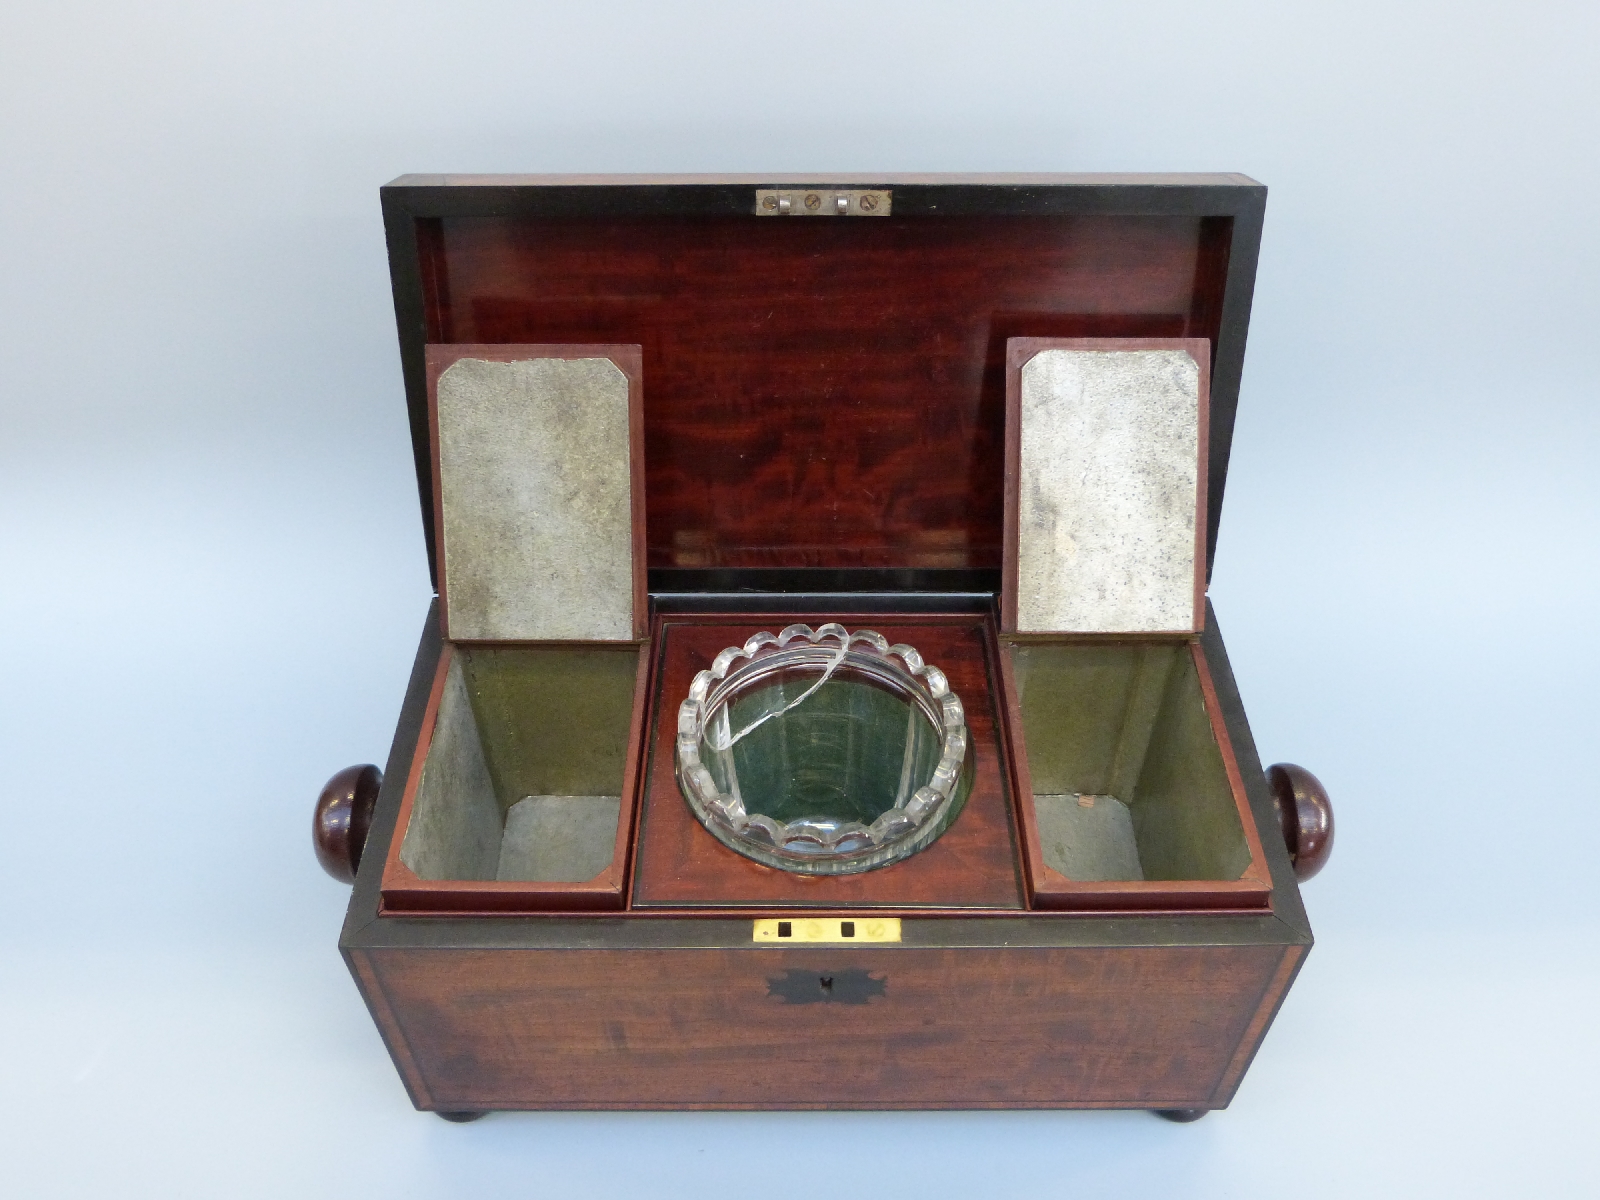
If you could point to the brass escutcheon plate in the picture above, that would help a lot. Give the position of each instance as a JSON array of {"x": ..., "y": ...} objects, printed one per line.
[{"x": 788, "y": 931}]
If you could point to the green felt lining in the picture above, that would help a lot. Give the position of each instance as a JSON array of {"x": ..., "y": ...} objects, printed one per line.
[
  {"x": 1127, "y": 719},
  {"x": 520, "y": 722},
  {"x": 554, "y": 720}
]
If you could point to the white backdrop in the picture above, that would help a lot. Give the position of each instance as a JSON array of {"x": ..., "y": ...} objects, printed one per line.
[{"x": 212, "y": 570}]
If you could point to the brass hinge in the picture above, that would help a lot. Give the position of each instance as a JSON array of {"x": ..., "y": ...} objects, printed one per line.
[{"x": 823, "y": 202}]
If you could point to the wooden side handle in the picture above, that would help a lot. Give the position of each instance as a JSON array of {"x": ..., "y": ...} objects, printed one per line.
[
  {"x": 1306, "y": 814},
  {"x": 343, "y": 816}
]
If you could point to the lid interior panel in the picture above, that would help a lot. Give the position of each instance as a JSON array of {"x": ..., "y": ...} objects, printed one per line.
[{"x": 822, "y": 394}]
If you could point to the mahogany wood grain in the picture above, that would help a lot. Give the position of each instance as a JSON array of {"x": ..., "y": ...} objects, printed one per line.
[
  {"x": 822, "y": 397},
  {"x": 1154, "y": 1010},
  {"x": 1144, "y": 1027},
  {"x": 822, "y": 394},
  {"x": 1223, "y": 213},
  {"x": 973, "y": 864},
  {"x": 1272, "y": 995}
]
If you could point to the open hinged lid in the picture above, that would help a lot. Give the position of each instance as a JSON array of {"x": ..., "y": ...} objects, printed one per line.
[{"x": 823, "y": 385}]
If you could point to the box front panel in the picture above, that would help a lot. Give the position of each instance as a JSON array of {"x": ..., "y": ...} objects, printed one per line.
[{"x": 1151, "y": 1027}]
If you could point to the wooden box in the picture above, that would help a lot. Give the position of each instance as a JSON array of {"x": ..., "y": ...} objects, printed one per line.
[{"x": 986, "y": 415}]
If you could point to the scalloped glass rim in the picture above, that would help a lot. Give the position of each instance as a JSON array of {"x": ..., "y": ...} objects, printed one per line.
[{"x": 805, "y": 845}]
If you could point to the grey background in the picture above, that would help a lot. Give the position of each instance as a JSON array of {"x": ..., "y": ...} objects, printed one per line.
[{"x": 212, "y": 574}]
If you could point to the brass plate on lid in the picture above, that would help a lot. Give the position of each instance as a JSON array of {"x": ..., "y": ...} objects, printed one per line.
[{"x": 823, "y": 202}]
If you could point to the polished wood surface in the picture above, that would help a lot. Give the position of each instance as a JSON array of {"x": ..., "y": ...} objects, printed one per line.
[
  {"x": 973, "y": 864},
  {"x": 342, "y": 818},
  {"x": 681, "y": 265},
  {"x": 639, "y": 179},
  {"x": 820, "y": 399},
  {"x": 822, "y": 394},
  {"x": 1305, "y": 815},
  {"x": 1149, "y": 1027},
  {"x": 475, "y": 1010}
]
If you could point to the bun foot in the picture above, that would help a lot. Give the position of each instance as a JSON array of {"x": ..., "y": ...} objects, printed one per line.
[
  {"x": 1181, "y": 1115},
  {"x": 461, "y": 1118},
  {"x": 1306, "y": 815},
  {"x": 342, "y": 818}
]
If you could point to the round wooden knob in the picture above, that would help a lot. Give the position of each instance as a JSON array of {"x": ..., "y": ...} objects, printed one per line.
[
  {"x": 343, "y": 817},
  {"x": 1306, "y": 815}
]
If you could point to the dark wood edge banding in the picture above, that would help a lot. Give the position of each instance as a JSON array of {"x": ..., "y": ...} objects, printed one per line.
[
  {"x": 729, "y": 929},
  {"x": 1272, "y": 998},
  {"x": 499, "y": 905},
  {"x": 1017, "y": 354},
  {"x": 1215, "y": 179},
  {"x": 1257, "y": 872},
  {"x": 370, "y": 984},
  {"x": 1227, "y": 360},
  {"x": 1286, "y": 902},
  {"x": 1037, "y": 875},
  {"x": 361, "y": 913},
  {"x": 395, "y": 873},
  {"x": 1200, "y": 350}
]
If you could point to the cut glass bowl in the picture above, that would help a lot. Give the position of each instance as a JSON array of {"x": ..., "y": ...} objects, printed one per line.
[{"x": 823, "y": 751}]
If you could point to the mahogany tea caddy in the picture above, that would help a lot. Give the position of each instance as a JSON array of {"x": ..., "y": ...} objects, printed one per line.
[{"x": 813, "y": 412}]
